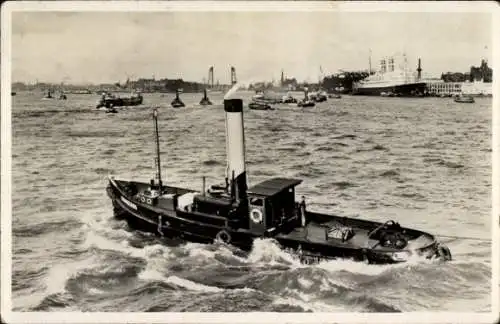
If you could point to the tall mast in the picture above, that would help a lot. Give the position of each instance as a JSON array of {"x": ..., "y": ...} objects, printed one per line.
[
  {"x": 157, "y": 138},
  {"x": 370, "y": 62}
]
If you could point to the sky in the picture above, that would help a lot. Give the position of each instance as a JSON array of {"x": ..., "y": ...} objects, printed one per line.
[{"x": 96, "y": 47}]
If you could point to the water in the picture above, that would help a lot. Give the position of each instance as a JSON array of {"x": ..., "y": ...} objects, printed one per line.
[{"x": 424, "y": 162}]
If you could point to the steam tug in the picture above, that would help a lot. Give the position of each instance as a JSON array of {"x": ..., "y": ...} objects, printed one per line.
[
  {"x": 232, "y": 213},
  {"x": 205, "y": 101},
  {"x": 307, "y": 101},
  {"x": 177, "y": 102}
]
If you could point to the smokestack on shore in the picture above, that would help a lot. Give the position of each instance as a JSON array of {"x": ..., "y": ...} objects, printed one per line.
[{"x": 235, "y": 148}]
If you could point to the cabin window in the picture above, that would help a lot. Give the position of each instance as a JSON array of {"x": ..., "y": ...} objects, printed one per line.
[{"x": 256, "y": 202}]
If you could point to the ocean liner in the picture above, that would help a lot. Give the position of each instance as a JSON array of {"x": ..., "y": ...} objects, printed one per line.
[{"x": 393, "y": 79}]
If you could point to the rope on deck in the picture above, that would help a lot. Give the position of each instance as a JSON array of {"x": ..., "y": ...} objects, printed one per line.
[{"x": 465, "y": 238}]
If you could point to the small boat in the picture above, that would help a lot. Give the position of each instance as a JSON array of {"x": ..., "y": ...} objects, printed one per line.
[
  {"x": 334, "y": 96},
  {"x": 63, "y": 96},
  {"x": 177, "y": 102},
  {"x": 288, "y": 99},
  {"x": 259, "y": 105},
  {"x": 234, "y": 214},
  {"x": 48, "y": 95},
  {"x": 321, "y": 96},
  {"x": 108, "y": 101},
  {"x": 267, "y": 97},
  {"x": 308, "y": 100},
  {"x": 205, "y": 101},
  {"x": 464, "y": 99},
  {"x": 306, "y": 103}
]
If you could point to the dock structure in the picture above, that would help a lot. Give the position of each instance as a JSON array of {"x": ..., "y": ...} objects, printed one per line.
[{"x": 438, "y": 88}]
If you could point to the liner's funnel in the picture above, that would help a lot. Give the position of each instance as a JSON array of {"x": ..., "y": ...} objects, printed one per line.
[{"x": 235, "y": 147}]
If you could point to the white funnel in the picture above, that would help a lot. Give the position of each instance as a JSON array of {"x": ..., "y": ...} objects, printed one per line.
[{"x": 235, "y": 147}]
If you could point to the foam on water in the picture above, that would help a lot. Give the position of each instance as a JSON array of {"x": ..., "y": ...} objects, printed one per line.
[
  {"x": 58, "y": 275},
  {"x": 267, "y": 252},
  {"x": 190, "y": 285}
]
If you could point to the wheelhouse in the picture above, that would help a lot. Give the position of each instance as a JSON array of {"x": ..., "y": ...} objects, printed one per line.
[{"x": 271, "y": 204}]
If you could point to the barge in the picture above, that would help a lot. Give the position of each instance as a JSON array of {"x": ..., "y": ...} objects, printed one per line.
[
  {"x": 464, "y": 99},
  {"x": 234, "y": 214},
  {"x": 110, "y": 101}
]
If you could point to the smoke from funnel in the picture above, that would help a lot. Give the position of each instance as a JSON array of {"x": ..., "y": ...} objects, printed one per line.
[{"x": 237, "y": 86}]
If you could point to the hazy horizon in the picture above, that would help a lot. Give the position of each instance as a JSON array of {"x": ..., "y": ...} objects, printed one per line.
[{"x": 109, "y": 47}]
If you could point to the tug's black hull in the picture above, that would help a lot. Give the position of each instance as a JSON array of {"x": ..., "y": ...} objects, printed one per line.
[{"x": 191, "y": 227}]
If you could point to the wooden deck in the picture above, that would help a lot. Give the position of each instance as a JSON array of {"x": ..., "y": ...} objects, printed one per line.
[{"x": 316, "y": 233}]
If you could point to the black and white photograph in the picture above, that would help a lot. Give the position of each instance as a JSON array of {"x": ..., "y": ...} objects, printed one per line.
[{"x": 249, "y": 162}]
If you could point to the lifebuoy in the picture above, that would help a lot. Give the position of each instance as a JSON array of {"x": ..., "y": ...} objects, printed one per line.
[
  {"x": 256, "y": 215},
  {"x": 149, "y": 201},
  {"x": 143, "y": 199},
  {"x": 223, "y": 236}
]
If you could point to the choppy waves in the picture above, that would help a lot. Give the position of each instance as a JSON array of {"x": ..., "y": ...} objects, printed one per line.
[
  {"x": 114, "y": 265},
  {"x": 69, "y": 254}
]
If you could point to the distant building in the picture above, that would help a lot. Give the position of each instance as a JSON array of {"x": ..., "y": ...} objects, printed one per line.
[
  {"x": 482, "y": 73},
  {"x": 475, "y": 82},
  {"x": 289, "y": 84}
]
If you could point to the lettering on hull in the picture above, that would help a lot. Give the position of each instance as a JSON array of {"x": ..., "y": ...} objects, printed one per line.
[{"x": 128, "y": 203}]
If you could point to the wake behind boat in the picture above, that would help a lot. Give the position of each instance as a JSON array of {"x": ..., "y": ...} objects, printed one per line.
[{"x": 237, "y": 215}]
